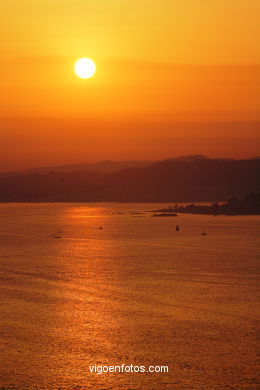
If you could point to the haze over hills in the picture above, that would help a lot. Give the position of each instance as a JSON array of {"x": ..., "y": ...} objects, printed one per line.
[
  {"x": 106, "y": 166},
  {"x": 184, "y": 179}
]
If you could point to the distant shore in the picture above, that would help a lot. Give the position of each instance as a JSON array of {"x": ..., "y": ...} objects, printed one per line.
[{"x": 250, "y": 205}]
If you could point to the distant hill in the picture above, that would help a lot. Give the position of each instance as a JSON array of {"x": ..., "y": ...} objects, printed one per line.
[
  {"x": 105, "y": 166},
  {"x": 185, "y": 179}
]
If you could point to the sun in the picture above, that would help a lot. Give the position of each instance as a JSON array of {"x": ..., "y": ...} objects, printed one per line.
[{"x": 85, "y": 68}]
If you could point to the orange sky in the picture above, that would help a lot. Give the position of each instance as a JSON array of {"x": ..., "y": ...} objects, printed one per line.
[{"x": 173, "y": 78}]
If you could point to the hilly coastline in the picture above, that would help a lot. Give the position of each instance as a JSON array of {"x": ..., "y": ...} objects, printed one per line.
[{"x": 186, "y": 179}]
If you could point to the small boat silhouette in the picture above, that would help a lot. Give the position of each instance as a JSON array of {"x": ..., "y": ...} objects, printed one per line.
[
  {"x": 177, "y": 228},
  {"x": 55, "y": 236},
  {"x": 203, "y": 233}
]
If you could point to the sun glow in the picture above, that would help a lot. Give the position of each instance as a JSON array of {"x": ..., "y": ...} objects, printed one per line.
[{"x": 85, "y": 68}]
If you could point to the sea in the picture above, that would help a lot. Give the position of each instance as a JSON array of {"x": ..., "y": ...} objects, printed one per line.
[{"x": 107, "y": 284}]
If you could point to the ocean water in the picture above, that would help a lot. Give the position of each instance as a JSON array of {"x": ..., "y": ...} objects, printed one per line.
[{"x": 135, "y": 292}]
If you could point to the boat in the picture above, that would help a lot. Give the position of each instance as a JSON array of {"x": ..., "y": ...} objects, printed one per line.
[
  {"x": 165, "y": 215},
  {"x": 55, "y": 236},
  {"x": 203, "y": 233}
]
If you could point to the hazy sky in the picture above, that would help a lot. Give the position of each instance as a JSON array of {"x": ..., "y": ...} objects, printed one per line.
[{"x": 173, "y": 78}]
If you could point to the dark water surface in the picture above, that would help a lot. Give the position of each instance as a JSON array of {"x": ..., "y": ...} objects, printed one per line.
[{"x": 135, "y": 292}]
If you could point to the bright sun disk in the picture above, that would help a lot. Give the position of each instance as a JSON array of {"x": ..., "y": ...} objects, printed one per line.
[{"x": 85, "y": 68}]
